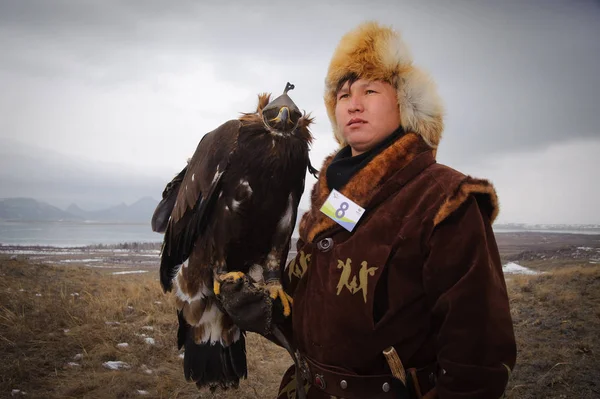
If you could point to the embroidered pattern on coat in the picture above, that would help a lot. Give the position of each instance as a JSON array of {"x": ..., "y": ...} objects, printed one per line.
[
  {"x": 352, "y": 285},
  {"x": 298, "y": 269},
  {"x": 289, "y": 391}
]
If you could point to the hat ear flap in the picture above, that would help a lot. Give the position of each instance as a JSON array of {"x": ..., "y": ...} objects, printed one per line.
[{"x": 421, "y": 109}]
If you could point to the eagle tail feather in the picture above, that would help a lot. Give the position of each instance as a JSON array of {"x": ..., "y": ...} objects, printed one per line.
[
  {"x": 237, "y": 357},
  {"x": 213, "y": 365}
]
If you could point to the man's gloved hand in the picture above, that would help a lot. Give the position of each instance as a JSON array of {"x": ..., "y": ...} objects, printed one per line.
[{"x": 250, "y": 307}]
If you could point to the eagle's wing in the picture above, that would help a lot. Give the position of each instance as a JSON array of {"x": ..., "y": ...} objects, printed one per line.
[
  {"x": 163, "y": 210},
  {"x": 197, "y": 193}
]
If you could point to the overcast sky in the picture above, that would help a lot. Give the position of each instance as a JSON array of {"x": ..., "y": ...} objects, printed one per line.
[{"x": 138, "y": 83}]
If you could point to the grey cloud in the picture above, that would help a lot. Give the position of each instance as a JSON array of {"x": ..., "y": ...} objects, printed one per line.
[{"x": 503, "y": 69}]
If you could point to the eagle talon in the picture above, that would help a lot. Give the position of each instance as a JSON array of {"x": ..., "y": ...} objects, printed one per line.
[
  {"x": 276, "y": 290},
  {"x": 218, "y": 280}
]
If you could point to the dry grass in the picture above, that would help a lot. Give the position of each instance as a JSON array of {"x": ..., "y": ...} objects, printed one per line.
[
  {"x": 40, "y": 335},
  {"x": 557, "y": 324},
  {"x": 556, "y": 316}
]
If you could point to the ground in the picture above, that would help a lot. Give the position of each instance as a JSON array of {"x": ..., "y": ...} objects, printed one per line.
[{"x": 64, "y": 315}]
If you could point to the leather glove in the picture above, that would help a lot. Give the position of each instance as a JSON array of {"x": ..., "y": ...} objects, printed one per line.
[{"x": 250, "y": 307}]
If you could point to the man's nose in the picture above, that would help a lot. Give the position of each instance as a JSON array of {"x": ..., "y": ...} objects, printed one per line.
[{"x": 355, "y": 105}]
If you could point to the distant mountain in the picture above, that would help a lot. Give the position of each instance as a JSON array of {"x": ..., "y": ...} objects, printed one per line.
[
  {"x": 27, "y": 171},
  {"x": 73, "y": 209},
  {"x": 28, "y": 209},
  {"x": 138, "y": 212}
]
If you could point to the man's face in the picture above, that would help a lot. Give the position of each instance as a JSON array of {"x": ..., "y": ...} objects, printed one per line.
[{"x": 366, "y": 112}]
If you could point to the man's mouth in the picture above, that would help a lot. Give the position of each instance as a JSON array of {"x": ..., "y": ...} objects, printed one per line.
[{"x": 354, "y": 121}]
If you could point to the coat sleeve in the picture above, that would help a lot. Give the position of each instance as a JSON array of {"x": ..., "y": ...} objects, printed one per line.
[{"x": 463, "y": 278}]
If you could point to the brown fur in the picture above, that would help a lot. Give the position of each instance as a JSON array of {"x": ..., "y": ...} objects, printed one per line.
[
  {"x": 360, "y": 188},
  {"x": 481, "y": 188}
]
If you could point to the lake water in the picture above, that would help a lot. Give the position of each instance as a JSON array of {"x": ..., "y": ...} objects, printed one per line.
[
  {"x": 590, "y": 232},
  {"x": 63, "y": 234}
]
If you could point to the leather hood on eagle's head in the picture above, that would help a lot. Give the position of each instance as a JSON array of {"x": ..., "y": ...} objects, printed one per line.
[{"x": 281, "y": 116}]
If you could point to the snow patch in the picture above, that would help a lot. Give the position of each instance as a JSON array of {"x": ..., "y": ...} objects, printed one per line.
[
  {"x": 148, "y": 328},
  {"x": 145, "y": 369},
  {"x": 112, "y": 323},
  {"x": 122, "y": 345},
  {"x": 150, "y": 341},
  {"x": 116, "y": 365},
  {"x": 514, "y": 268},
  {"x": 73, "y": 364},
  {"x": 131, "y": 272},
  {"x": 78, "y": 356},
  {"x": 142, "y": 392}
]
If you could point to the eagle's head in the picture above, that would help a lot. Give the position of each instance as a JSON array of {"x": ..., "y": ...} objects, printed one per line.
[{"x": 281, "y": 116}]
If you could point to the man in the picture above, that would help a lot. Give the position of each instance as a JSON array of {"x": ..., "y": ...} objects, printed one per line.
[{"x": 407, "y": 262}]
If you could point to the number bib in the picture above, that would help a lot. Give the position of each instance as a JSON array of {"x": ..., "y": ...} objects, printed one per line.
[{"x": 342, "y": 210}]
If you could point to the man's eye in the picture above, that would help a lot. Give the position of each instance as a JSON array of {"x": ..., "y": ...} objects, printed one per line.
[
  {"x": 371, "y": 91},
  {"x": 342, "y": 96}
]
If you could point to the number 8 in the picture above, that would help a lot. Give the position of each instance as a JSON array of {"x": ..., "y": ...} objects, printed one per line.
[{"x": 341, "y": 212}]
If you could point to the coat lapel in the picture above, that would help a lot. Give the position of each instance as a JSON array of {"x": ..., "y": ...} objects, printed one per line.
[{"x": 368, "y": 184}]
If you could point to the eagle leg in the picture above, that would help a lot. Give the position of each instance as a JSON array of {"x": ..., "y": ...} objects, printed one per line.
[
  {"x": 276, "y": 291},
  {"x": 218, "y": 279}
]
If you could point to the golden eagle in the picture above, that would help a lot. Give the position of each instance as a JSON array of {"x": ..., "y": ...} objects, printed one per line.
[{"x": 232, "y": 210}]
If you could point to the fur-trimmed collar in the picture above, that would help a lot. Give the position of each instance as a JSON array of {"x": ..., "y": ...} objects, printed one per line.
[{"x": 364, "y": 185}]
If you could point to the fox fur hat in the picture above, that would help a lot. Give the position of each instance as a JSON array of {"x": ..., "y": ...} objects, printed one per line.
[{"x": 375, "y": 52}]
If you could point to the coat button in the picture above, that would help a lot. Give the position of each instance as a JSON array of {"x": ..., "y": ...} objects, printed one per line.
[
  {"x": 325, "y": 244},
  {"x": 385, "y": 387},
  {"x": 343, "y": 384}
]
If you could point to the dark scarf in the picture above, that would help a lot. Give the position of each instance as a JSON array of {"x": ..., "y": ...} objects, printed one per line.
[{"x": 344, "y": 165}]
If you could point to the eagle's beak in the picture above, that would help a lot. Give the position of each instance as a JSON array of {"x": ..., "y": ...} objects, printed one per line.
[{"x": 284, "y": 114}]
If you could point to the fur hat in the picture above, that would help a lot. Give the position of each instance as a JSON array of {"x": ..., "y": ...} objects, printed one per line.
[{"x": 376, "y": 52}]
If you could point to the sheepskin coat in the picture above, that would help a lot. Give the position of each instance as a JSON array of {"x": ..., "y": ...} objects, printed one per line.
[{"x": 420, "y": 272}]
